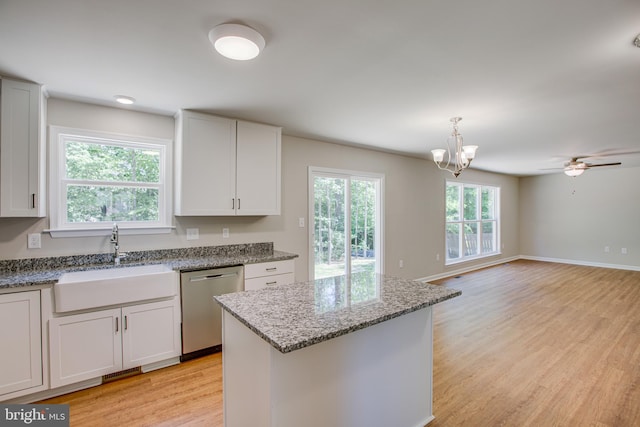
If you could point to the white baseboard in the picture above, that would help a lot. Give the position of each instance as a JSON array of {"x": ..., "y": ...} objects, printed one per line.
[
  {"x": 427, "y": 421},
  {"x": 59, "y": 391},
  {"x": 474, "y": 267},
  {"x": 47, "y": 394},
  {"x": 579, "y": 262},
  {"x": 467, "y": 269},
  {"x": 161, "y": 364}
]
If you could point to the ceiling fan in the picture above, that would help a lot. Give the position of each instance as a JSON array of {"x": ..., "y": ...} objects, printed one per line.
[{"x": 576, "y": 167}]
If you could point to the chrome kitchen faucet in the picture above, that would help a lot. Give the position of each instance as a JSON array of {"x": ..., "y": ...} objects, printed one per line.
[{"x": 115, "y": 239}]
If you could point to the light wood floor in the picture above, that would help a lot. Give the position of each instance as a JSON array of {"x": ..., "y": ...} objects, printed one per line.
[{"x": 527, "y": 344}]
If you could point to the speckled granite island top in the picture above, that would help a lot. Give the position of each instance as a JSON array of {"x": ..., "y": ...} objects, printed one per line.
[
  {"x": 47, "y": 271},
  {"x": 291, "y": 317}
]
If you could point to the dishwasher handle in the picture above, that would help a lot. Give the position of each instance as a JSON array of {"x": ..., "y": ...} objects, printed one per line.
[{"x": 211, "y": 277}]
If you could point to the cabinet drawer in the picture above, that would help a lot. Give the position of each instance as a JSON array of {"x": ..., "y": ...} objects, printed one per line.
[
  {"x": 263, "y": 282},
  {"x": 268, "y": 269}
]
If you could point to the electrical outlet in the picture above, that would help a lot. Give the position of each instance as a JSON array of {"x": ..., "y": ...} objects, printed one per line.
[
  {"x": 193, "y": 233},
  {"x": 437, "y": 257},
  {"x": 34, "y": 241},
  {"x": 301, "y": 222},
  {"x": 607, "y": 249},
  {"x": 401, "y": 263},
  {"x": 623, "y": 251},
  {"x": 225, "y": 233}
]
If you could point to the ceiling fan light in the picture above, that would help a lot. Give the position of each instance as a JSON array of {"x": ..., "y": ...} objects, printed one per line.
[
  {"x": 235, "y": 41},
  {"x": 574, "y": 171}
]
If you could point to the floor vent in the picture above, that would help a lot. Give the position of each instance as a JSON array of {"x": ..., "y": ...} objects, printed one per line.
[{"x": 121, "y": 374}]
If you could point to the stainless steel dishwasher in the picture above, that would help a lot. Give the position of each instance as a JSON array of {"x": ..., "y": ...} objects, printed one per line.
[{"x": 201, "y": 315}]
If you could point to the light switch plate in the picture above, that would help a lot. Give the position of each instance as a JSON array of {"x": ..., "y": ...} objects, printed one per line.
[{"x": 193, "y": 233}]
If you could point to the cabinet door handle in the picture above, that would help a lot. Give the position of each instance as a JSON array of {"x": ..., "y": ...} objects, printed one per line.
[
  {"x": 271, "y": 283},
  {"x": 117, "y": 322},
  {"x": 233, "y": 203},
  {"x": 238, "y": 203},
  {"x": 33, "y": 200},
  {"x": 126, "y": 323},
  {"x": 272, "y": 268}
]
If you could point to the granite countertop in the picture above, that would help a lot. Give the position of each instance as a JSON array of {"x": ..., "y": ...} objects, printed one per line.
[
  {"x": 47, "y": 271},
  {"x": 291, "y": 317}
]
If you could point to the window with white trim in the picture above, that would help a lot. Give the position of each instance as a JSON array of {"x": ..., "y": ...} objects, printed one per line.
[
  {"x": 98, "y": 179},
  {"x": 472, "y": 221}
]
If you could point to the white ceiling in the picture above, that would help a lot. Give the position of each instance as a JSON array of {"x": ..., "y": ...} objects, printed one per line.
[{"x": 536, "y": 82}]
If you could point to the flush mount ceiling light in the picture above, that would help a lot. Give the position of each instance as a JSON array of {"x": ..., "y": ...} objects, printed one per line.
[
  {"x": 237, "y": 41},
  {"x": 126, "y": 100},
  {"x": 463, "y": 153}
]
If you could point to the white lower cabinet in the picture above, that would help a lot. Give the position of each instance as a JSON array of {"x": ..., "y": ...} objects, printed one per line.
[
  {"x": 258, "y": 276},
  {"x": 90, "y": 345},
  {"x": 20, "y": 335},
  {"x": 84, "y": 346},
  {"x": 151, "y": 333}
]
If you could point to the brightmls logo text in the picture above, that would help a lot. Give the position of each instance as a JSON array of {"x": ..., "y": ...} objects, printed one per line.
[
  {"x": 25, "y": 416},
  {"x": 34, "y": 415}
]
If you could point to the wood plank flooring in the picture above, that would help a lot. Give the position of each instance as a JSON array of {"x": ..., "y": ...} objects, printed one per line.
[
  {"x": 539, "y": 344},
  {"x": 189, "y": 394},
  {"x": 527, "y": 344}
]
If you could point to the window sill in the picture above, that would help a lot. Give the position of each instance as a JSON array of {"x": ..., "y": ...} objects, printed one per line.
[{"x": 93, "y": 232}]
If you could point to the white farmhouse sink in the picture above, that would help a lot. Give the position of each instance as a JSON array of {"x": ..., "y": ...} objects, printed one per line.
[{"x": 80, "y": 290}]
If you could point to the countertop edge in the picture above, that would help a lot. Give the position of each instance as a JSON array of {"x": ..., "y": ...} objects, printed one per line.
[
  {"x": 43, "y": 278},
  {"x": 340, "y": 332}
]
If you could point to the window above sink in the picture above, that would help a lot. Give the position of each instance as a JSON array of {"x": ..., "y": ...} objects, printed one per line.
[{"x": 98, "y": 178}]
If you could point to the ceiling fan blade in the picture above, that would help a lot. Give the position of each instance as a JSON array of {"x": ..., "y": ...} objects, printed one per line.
[
  {"x": 603, "y": 164},
  {"x": 597, "y": 154},
  {"x": 612, "y": 152}
]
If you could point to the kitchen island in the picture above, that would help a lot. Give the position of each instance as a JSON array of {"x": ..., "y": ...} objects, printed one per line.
[{"x": 342, "y": 351}]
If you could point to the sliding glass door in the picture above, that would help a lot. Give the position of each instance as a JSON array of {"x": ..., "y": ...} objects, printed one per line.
[{"x": 345, "y": 213}]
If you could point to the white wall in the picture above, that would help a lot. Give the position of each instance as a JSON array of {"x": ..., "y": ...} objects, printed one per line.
[
  {"x": 574, "y": 219},
  {"x": 414, "y": 203}
]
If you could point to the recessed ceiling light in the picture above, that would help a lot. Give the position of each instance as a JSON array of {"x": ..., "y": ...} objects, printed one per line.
[
  {"x": 122, "y": 99},
  {"x": 236, "y": 41}
]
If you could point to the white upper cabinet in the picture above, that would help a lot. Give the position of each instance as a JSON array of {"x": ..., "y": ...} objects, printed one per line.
[
  {"x": 226, "y": 167},
  {"x": 205, "y": 164},
  {"x": 22, "y": 150},
  {"x": 258, "y": 169}
]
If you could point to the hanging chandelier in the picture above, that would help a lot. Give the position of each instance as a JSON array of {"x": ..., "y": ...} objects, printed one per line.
[{"x": 463, "y": 153}]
